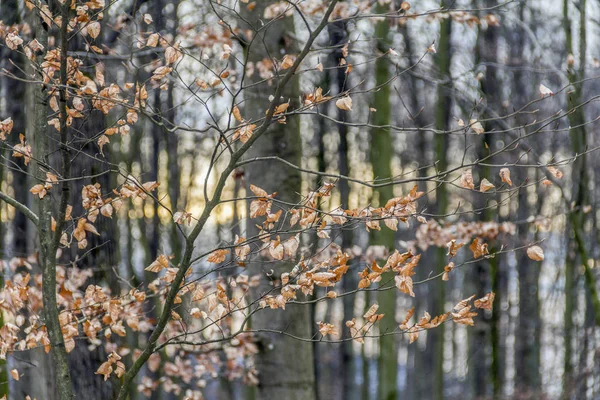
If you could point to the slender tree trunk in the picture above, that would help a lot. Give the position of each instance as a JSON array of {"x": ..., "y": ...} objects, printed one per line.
[
  {"x": 575, "y": 73},
  {"x": 381, "y": 157},
  {"x": 435, "y": 337},
  {"x": 338, "y": 37},
  {"x": 487, "y": 51},
  {"x": 48, "y": 242},
  {"x": 415, "y": 360},
  {"x": 527, "y": 348}
]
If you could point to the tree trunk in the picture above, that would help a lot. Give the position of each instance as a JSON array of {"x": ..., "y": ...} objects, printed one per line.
[
  {"x": 528, "y": 330},
  {"x": 435, "y": 337},
  {"x": 285, "y": 365},
  {"x": 338, "y": 37},
  {"x": 381, "y": 157}
]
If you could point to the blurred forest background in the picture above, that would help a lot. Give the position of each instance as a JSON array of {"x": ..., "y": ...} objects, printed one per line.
[{"x": 515, "y": 66}]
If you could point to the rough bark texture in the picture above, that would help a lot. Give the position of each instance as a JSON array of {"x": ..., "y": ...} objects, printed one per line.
[
  {"x": 527, "y": 364},
  {"x": 435, "y": 337},
  {"x": 285, "y": 365},
  {"x": 48, "y": 240},
  {"x": 381, "y": 157},
  {"x": 487, "y": 51},
  {"x": 577, "y": 254}
]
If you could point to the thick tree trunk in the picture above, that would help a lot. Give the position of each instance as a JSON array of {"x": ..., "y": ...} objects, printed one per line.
[{"x": 285, "y": 364}]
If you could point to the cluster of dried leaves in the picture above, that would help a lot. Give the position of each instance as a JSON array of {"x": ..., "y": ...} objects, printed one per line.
[{"x": 211, "y": 313}]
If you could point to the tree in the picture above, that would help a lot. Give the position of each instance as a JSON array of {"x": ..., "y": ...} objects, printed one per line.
[
  {"x": 381, "y": 158},
  {"x": 148, "y": 134},
  {"x": 278, "y": 376}
]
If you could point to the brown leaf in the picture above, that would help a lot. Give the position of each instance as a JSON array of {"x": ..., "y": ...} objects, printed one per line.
[
  {"x": 478, "y": 248},
  {"x": 161, "y": 262},
  {"x": 466, "y": 179},
  {"x": 476, "y": 126},
  {"x": 485, "y": 185},
  {"x": 287, "y": 61},
  {"x": 536, "y": 253},
  {"x": 505, "y": 176},
  {"x": 218, "y": 256},
  {"x": 38, "y": 189},
  {"x": 345, "y": 103},
  {"x": 15, "y": 374},
  {"x": 93, "y": 29},
  {"x": 486, "y": 301}
]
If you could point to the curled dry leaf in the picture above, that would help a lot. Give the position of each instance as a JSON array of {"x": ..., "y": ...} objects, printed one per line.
[
  {"x": 345, "y": 103},
  {"x": 218, "y": 256},
  {"x": 555, "y": 172},
  {"x": 505, "y": 176},
  {"x": 545, "y": 91},
  {"x": 466, "y": 180},
  {"x": 447, "y": 269},
  {"x": 371, "y": 315},
  {"x": 161, "y": 262},
  {"x": 172, "y": 54},
  {"x": 409, "y": 314},
  {"x": 182, "y": 217},
  {"x": 242, "y": 249},
  {"x": 536, "y": 253},
  {"x": 14, "y": 374},
  {"x": 479, "y": 248},
  {"x": 476, "y": 126},
  {"x": 152, "y": 40},
  {"x": 13, "y": 41},
  {"x": 6, "y": 127},
  {"x": 486, "y": 301},
  {"x": 453, "y": 247},
  {"x": 327, "y": 329},
  {"x": 39, "y": 189},
  {"x": 236, "y": 114},
  {"x": 280, "y": 109},
  {"x": 287, "y": 61},
  {"x": 485, "y": 185}
]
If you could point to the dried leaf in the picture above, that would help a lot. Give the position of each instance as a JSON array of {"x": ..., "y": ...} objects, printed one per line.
[
  {"x": 485, "y": 185},
  {"x": 478, "y": 248},
  {"x": 545, "y": 91},
  {"x": 159, "y": 264},
  {"x": 345, "y": 103},
  {"x": 486, "y": 301},
  {"x": 14, "y": 374},
  {"x": 476, "y": 126},
  {"x": 93, "y": 29},
  {"x": 218, "y": 256},
  {"x": 536, "y": 253},
  {"x": 505, "y": 176},
  {"x": 466, "y": 179}
]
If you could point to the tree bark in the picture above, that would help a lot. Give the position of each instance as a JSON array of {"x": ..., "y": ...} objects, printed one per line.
[
  {"x": 285, "y": 365},
  {"x": 381, "y": 157}
]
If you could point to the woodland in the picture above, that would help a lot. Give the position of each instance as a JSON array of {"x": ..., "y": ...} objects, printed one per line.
[{"x": 299, "y": 199}]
